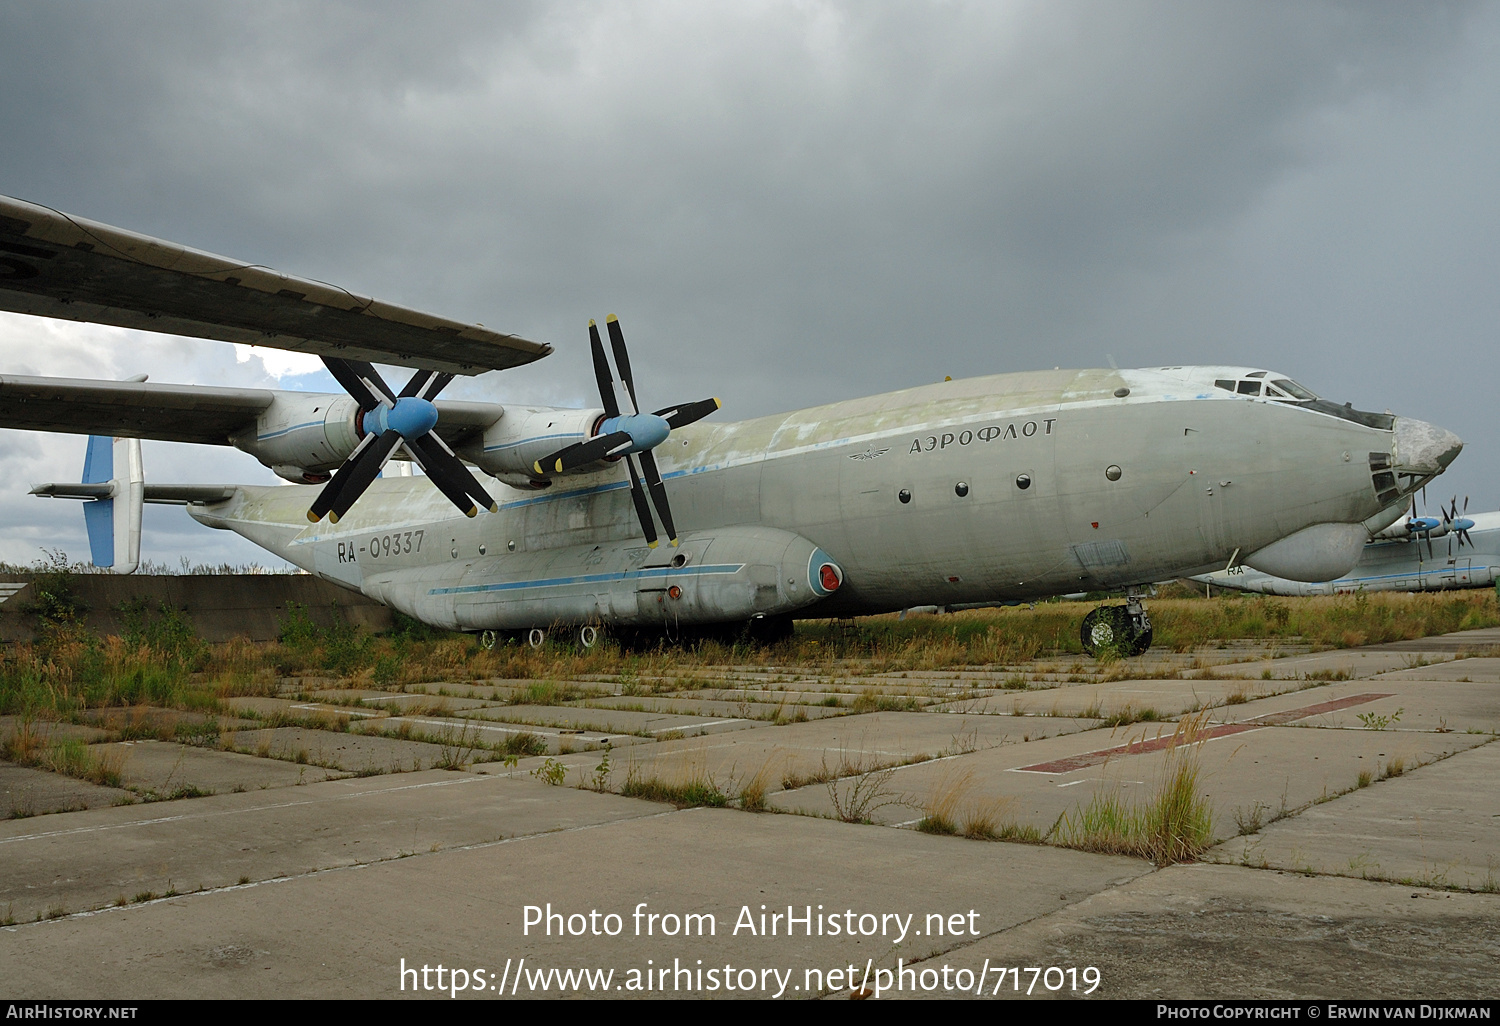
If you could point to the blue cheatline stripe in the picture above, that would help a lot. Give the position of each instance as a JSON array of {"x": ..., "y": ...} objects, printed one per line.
[
  {"x": 294, "y": 427},
  {"x": 557, "y": 582},
  {"x": 538, "y": 438},
  {"x": 1411, "y": 574}
]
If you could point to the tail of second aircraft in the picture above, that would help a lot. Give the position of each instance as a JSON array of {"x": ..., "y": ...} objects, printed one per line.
[{"x": 113, "y": 490}]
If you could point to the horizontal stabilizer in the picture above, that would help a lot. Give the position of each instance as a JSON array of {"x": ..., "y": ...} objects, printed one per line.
[
  {"x": 162, "y": 494},
  {"x": 55, "y": 265}
]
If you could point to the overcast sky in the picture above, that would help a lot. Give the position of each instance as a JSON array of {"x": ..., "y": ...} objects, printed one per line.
[{"x": 785, "y": 203}]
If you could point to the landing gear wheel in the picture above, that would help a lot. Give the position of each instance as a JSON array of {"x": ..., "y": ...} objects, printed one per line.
[
  {"x": 1116, "y": 629},
  {"x": 488, "y": 639},
  {"x": 587, "y": 637},
  {"x": 536, "y": 638},
  {"x": 768, "y": 630}
]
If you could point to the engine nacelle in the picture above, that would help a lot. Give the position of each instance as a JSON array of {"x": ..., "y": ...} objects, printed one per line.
[
  {"x": 303, "y": 436},
  {"x": 514, "y": 443}
]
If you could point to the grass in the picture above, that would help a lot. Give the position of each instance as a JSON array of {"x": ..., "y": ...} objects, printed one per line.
[
  {"x": 953, "y": 808},
  {"x": 69, "y": 756},
  {"x": 688, "y": 786},
  {"x": 1173, "y": 825}
]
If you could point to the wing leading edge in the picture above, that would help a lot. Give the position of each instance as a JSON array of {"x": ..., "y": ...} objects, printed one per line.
[{"x": 56, "y": 265}]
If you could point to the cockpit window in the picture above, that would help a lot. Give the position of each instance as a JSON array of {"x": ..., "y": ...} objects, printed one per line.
[
  {"x": 1294, "y": 390},
  {"x": 1256, "y": 374},
  {"x": 1248, "y": 388}
]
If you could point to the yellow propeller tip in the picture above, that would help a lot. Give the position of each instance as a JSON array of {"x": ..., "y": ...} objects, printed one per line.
[
  {"x": 314, "y": 518},
  {"x": 611, "y": 319},
  {"x": 333, "y": 518},
  {"x": 592, "y": 324},
  {"x": 494, "y": 507},
  {"x": 473, "y": 511},
  {"x": 718, "y": 405},
  {"x": 652, "y": 544},
  {"x": 674, "y": 543},
  {"x": 537, "y": 466},
  {"x": 559, "y": 466}
]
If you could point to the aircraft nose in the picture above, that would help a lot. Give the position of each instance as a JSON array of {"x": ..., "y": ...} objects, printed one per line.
[{"x": 1423, "y": 448}]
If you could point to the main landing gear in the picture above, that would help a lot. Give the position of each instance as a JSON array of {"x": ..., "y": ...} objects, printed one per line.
[{"x": 1125, "y": 630}]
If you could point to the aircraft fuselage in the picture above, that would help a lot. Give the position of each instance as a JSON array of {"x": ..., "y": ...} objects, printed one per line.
[{"x": 1006, "y": 487}]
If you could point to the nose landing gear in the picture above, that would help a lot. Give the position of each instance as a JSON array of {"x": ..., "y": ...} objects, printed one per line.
[{"x": 1125, "y": 629}]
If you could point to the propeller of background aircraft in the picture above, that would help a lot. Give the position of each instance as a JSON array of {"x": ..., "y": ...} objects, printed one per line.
[
  {"x": 1449, "y": 524},
  {"x": 620, "y": 436},
  {"x": 388, "y": 421},
  {"x": 1458, "y": 525}
]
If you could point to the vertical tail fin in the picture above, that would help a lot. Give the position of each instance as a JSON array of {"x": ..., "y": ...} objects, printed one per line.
[{"x": 114, "y": 523}]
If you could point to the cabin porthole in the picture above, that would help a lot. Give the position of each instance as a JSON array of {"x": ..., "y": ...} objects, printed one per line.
[
  {"x": 1112, "y": 472},
  {"x": 961, "y": 489},
  {"x": 1023, "y": 481},
  {"x": 904, "y": 495}
]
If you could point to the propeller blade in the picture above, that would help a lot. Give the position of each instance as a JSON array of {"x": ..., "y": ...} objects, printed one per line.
[
  {"x": 686, "y": 413},
  {"x": 362, "y": 381},
  {"x": 622, "y": 358},
  {"x": 449, "y": 474},
  {"x": 658, "y": 495},
  {"x": 354, "y": 477},
  {"x": 601, "y": 373},
  {"x": 638, "y": 497},
  {"x": 334, "y": 488},
  {"x": 425, "y": 384},
  {"x": 580, "y": 453}
]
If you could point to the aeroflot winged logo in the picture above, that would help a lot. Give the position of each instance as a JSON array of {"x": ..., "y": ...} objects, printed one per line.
[{"x": 870, "y": 453}]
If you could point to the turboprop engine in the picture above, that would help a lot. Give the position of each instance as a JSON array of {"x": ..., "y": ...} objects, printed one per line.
[
  {"x": 303, "y": 438},
  {"x": 526, "y": 434}
]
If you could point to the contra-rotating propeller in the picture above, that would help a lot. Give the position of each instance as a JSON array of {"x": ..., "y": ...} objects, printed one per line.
[
  {"x": 387, "y": 421},
  {"x": 1458, "y": 525},
  {"x": 620, "y": 436}
]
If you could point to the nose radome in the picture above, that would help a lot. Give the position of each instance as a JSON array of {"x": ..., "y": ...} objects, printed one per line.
[{"x": 1424, "y": 448}]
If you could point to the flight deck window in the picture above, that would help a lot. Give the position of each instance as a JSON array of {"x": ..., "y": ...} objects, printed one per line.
[
  {"x": 1249, "y": 388},
  {"x": 1294, "y": 390},
  {"x": 1225, "y": 384}
]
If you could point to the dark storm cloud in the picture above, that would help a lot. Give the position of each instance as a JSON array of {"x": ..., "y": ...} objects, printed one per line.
[{"x": 799, "y": 202}]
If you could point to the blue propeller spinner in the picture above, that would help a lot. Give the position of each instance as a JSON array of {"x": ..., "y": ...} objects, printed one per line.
[{"x": 625, "y": 436}]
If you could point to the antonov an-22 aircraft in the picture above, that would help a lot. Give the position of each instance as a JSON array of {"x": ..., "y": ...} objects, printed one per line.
[{"x": 1007, "y": 487}]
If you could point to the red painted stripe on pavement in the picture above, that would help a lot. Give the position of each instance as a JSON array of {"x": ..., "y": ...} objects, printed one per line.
[
  {"x": 1156, "y": 744},
  {"x": 1322, "y": 707}
]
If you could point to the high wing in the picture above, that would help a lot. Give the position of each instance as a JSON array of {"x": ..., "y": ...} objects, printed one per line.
[
  {"x": 56, "y": 265},
  {"x": 204, "y": 414}
]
